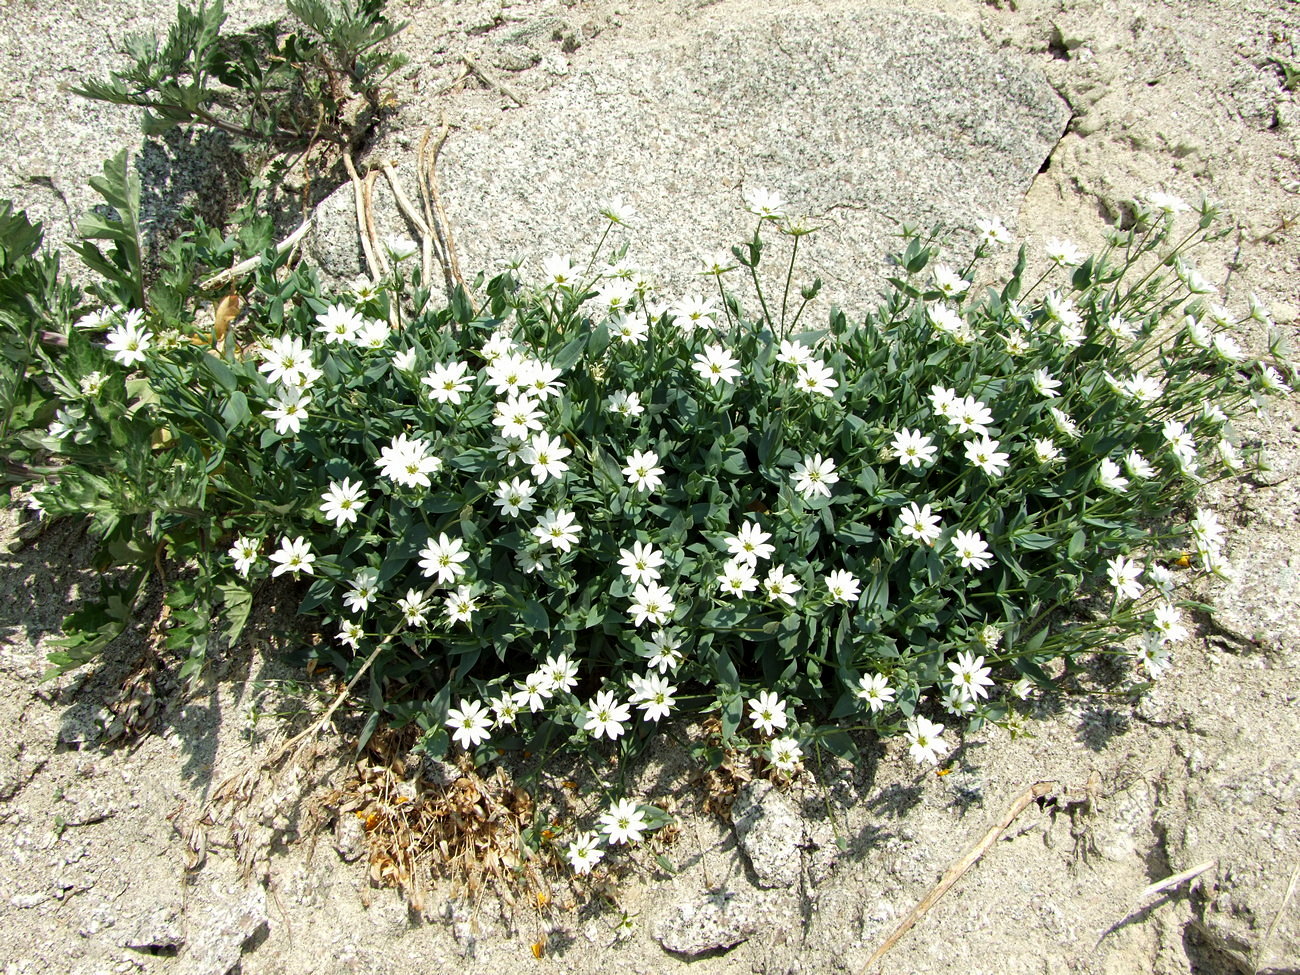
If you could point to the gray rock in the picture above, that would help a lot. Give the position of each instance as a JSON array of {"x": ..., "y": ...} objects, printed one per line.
[
  {"x": 770, "y": 833},
  {"x": 1246, "y": 817},
  {"x": 713, "y": 921},
  {"x": 159, "y": 929},
  {"x": 349, "y": 838},
  {"x": 217, "y": 935},
  {"x": 857, "y": 117}
]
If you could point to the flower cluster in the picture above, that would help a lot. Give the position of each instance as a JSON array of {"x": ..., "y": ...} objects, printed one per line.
[{"x": 590, "y": 504}]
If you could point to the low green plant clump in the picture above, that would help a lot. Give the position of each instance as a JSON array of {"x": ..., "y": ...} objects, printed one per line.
[{"x": 564, "y": 505}]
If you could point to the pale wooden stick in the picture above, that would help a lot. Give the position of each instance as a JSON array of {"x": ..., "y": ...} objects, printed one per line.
[
  {"x": 243, "y": 267},
  {"x": 1176, "y": 879},
  {"x": 368, "y": 189},
  {"x": 358, "y": 192},
  {"x": 1286, "y": 899},
  {"x": 1035, "y": 791},
  {"x": 472, "y": 67}
]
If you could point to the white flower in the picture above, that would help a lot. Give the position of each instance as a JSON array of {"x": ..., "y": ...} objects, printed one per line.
[
  {"x": 339, "y": 324},
  {"x": 667, "y": 654},
  {"x": 606, "y": 716},
  {"x": 558, "y": 528},
  {"x": 651, "y": 603},
  {"x": 460, "y": 605},
  {"x": 1044, "y": 384},
  {"x": 763, "y": 203},
  {"x": 814, "y": 476},
  {"x": 1138, "y": 466},
  {"x": 874, "y": 689},
  {"x": 784, "y": 754},
  {"x": 970, "y": 677},
  {"x": 1121, "y": 329},
  {"x": 615, "y": 294},
  {"x": 1066, "y": 426},
  {"x": 1016, "y": 343},
  {"x": 616, "y": 211},
  {"x": 984, "y": 454},
  {"x": 342, "y": 501},
  {"x": 920, "y": 524},
  {"x": 129, "y": 342},
  {"x": 971, "y": 549},
  {"x": 1109, "y": 477},
  {"x": 351, "y": 633},
  {"x": 535, "y": 690},
  {"x": 293, "y": 556},
  {"x": 924, "y": 741},
  {"x": 1155, "y": 655},
  {"x": 737, "y": 578},
  {"x": 1192, "y": 279},
  {"x": 471, "y": 723},
  {"x": 406, "y": 461},
  {"x": 446, "y": 382},
  {"x": 1272, "y": 382},
  {"x": 750, "y": 543},
  {"x": 532, "y": 561},
  {"x": 1045, "y": 451},
  {"x": 625, "y": 404},
  {"x": 518, "y": 417},
  {"x": 767, "y": 711},
  {"x": 1166, "y": 203},
  {"x": 947, "y": 320},
  {"x": 624, "y": 822},
  {"x": 1123, "y": 575},
  {"x": 992, "y": 232},
  {"x": 780, "y": 585},
  {"x": 1228, "y": 349},
  {"x": 692, "y": 312},
  {"x": 93, "y": 383},
  {"x": 912, "y": 449},
  {"x": 245, "y": 552},
  {"x": 1144, "y": 389},
  {"x": 630, "y": 328},
  {"x": 653, "y": 695},
  {"x": 443, "y": 558},
  {"x": 561, "y": 672},
  {"x": 95, "y": 320},
  {"x": 792, "y": 353},
  {"x": 583, "y": 853},
  {"x": 716, "y": 364},
  {"x": 545, "y": 455},
  {"x": 955, "y": 704},
  {"x": 943, "y": 401},
  {"x": 842, "y": 586},
  {"x": 400, "y": 248},
  {"x": 642, "y": 471},
  {"x": 969, "y": 415},
  {"x": 288, "y": 361},
  {"x": 375, "y": 334},
  {"x": 514, "y": 496},
  {"x": 412, "y": 606},
  {"x": 363, "y": 588},
  {"x": 640, "y": 563},
  {"x": 816, "y": 377},
  {"x": 509, "y": 373},
  {"x": 1062, "y": 253},
  {"x": 403, "y": 361},
  {"x": 505, "y": 711},
  {"x": 1168, "y": 621},
  {"x": 949, "y": 282},
  {"x": 288, "y": 409}
]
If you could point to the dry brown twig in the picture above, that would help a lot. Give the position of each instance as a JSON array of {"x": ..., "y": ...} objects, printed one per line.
[{"x": 954, "y": 873}]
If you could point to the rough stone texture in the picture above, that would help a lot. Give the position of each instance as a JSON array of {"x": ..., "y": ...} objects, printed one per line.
[
  {"x": 770, "y": 833},
  {"x": 856, "y": 116},
  {"x": 712, "y": 921},
  {"x": 217, "y": 934},
  {"x": 1184, "y": 97}
]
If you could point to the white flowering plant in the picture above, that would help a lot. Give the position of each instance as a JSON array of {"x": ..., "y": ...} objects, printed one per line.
[{"x": 582, "y": 505}]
